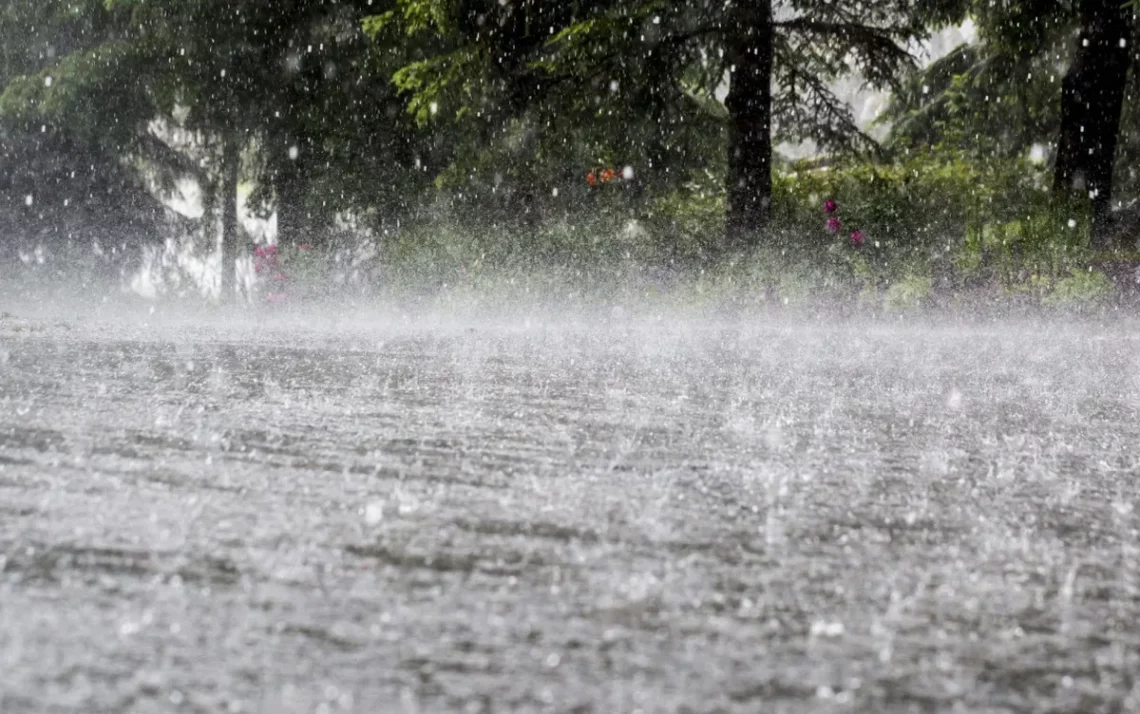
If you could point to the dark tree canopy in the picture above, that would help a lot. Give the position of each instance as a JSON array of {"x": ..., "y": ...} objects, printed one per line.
[
  {"x": 655, "y": 79},
  {"x": 1052, "y": 78}
]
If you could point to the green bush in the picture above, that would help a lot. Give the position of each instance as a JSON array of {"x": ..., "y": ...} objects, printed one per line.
[
  {"x": 1079, "y": 288},
  {"x": 908, "y": 293},
  {"x": 955, "y": 221},
  {"x": 934, "y": 224}
]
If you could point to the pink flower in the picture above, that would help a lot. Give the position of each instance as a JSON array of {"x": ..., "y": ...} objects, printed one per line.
[
  {"x": 857, "y": 238},
  {"x": 830, "y": 206},
  {"x": 833, "y": 224}
]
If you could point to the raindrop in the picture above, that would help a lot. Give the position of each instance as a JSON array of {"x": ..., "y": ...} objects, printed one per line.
[
  {"x": 47, "y": 81},
  {"x": 827, "y": 629},
  {"x": 627, "y": 173},
  {"x": 374, "y": 513},
  {"x": 954, "y": 400},
  {"x": 28, "y": 200},
  {"x": 294, "y": 152}
]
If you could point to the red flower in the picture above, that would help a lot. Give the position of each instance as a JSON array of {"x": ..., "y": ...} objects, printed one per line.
[
  {"x": 833, "y": 224},
  {"x": 591, "y": 179},
  {"x": 857, "y": 238},
  {"x": 608, "y": 175},
  {"x": 830, "y": 206}
]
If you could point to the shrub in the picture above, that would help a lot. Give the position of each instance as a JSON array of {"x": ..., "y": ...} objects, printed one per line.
[
  {"x": 1080, "y": 288},
  {"x": 941, "y": 215}
]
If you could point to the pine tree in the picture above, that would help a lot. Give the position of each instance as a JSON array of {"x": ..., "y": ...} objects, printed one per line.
[
  {"x": 292, "y": 89},
  {"x": 496, "y": 62},
  {"x": 1043, "y": 74}
]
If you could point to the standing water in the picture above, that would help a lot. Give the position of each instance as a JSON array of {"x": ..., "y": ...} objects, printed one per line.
[{"x": 639, "y": 515}]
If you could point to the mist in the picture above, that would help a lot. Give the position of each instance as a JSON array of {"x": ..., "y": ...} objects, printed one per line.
[{"x": 674, "y": 511}]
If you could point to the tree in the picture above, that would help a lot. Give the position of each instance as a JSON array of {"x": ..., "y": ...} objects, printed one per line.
[
  {"x": 749, "y": 103},
  {"x": 66, "y": 127},
  {"x": 1049, "y": 77},
  {"x": 501, "y": 63},
  {"x": 1092, "y": 97},
  {"x": 286, "y": 96}
]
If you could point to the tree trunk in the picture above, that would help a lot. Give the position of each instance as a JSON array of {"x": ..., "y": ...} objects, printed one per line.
[
  {"x": 749, "y": 104},
  {"x": 1092, "y": 94},
  {"x": 231, "y": 154},
  {"x": 293, "y": 226}
]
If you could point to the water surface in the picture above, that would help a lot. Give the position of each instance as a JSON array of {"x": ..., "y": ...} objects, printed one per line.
[{"x": 605, "y": 516}]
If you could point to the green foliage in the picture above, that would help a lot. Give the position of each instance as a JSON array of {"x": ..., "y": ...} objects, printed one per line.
[
  {"x": 934, "y": 224},
  {"x": 686, "y": 222},
  {"x": 441, "y": 80},
  {"x": 461, "y": 132},
  {"x": 68, "y": 194},
  {"x": 981, "y": 102},
  {"x": 908, "y": 293},
  {"x": 940, "y": 210},
  {"x": 531, "y": 92},
  {"x": 1000, "y": 96},
  {"x": 1080, "y": 287}
]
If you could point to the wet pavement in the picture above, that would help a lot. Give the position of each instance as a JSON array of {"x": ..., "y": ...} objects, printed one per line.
[{"x": 623, "y": 515}]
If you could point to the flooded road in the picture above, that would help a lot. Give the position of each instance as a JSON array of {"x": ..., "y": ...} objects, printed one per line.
[{"x": 631, "y": 516}]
